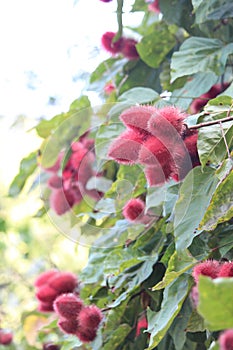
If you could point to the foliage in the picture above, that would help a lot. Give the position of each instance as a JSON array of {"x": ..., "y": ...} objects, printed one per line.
[{"x": 143, "y": 268}]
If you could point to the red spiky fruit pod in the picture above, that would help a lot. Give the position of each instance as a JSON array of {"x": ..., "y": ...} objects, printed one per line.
[
  {"x": 141, "y": 325},
  {"x": 65, "y": 282},
  {"x": 125, "y": 149},
  {"x": 105, "y": 0},
  {"x": 46, "y": 294},
  {"x": 6, "y": 337},
  {"x": 44, "y": 277},
  {"x": 54, "y": 182},
  {"x": 68, "y": 305},
  {"x": 134, "y": 209},
  {"x": 208, "y": 268},
  {"x": 86, "y": 335},
  {"x": 137, "y": 117},
  {"x": 166, "y": 121},
  {"x": 190, "y": 140},
  {"x": 154, "y": 152},
  {"x": 226, "y": 340},
  {"x": 109, "y": 44},
  {"x": 129, "y": 49},
  {"x": 197, "y": 104},
  {"x": 68, "y": 326},
  {"x": 45, "y": 307},
  {"x": 154, "y": 7},
  {"x": 90, "y": 318},
  {"x": 226, "y": 269},
  {"x": 156, "y": 175},
  {"x": 61, "y": 201},
  {"x": 109, "y": 88}
]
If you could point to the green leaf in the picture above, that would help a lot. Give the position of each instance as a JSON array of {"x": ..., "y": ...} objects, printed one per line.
[
  {"x": 117, "y": 337},
  {"x": 177, "y": 265},
  {"x": 215, "y": 302},
  {"x": 212, "y": 10},
  {"x": 105, "y": 68},
  {"x": 201, "y": 55},
  {"x": 196, "y": 86},
  {"x": 194, "y": 197},
  {"x": 70, "y": 343},
  {"x": 27, "y": 166},
  {"x": 173, "y": 298},
  {"x": 221, "y": 205},
  {"x": 211, "y": 143},
  {"x": 139, "y": 95},
  {"x": 154, "y": 47}
]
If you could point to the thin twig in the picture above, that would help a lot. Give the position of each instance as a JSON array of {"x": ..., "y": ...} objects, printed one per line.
[{"x": 212, "y": 122}]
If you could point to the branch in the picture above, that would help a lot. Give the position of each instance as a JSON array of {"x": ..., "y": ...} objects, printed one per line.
[{"x": 213, "y": 122}]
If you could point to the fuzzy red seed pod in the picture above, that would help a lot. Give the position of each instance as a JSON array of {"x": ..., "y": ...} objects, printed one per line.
[
  {"x": 166, "y": 121},
  {"x": 125, "y": 149},
  {"x": 134, "y": 209},
  {"x": 50, "y": 346},
  {"x": 54, "y": 182},
  {"x": 65, "y": 282},
  {"x": 109, "y": 88},
  {"x": 154, "y": 7},
  {"x": 129, "y": 49},
  {"x": 105, "y": 0},
  {"x": 226, "y": 269},
  {"x": 197, "y": 105},
  {"x": 86, "y": 335},
  {"x": 61, "y": 201},
  {"x": 6, "y": 337},
  {"x": 154, "y": 152},
  {"x": 156, "y": 175},
  {"x": 109, "y": 45},
  {"x": 190, "y": 141},
  {"x": 141, "y": 325},
  {"x": 45, "y": 307},
  {"x": 137, "y": 117},
  {"x": 226, "y": 340},
  {"x": 44, "y": 277},
  {"x": 208, "y": 268},
  {"x": 46, "y": 294},
  {"x": 68, "y": 326},
  {"x": 68, "y": 305},
  {"x": 89, "y": 318}
]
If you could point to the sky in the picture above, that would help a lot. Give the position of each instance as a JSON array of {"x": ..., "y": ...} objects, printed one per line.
[{"x": 46, "y": 45}]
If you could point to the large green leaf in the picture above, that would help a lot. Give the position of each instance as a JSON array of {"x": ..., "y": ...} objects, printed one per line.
[
  {"x": 154, "y": 47},
  {"x": 215, "y": 302},
  {"x": 177, "y": 265},
  {"x": 194, "y": 197},
  {"x": 212, "y": 10},
  {"x": 117, "y": 337},
  {"x": 139, "y": 95},
  {"x": 198, "y": 54},
  {"x": 173, "y": 298},
  {"x": 26, "y": 168},
  {"x": 221, "y": 205}
]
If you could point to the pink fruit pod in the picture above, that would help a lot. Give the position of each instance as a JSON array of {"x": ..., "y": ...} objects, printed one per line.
[
  {"x": 65, "y": 282},
  {"x": 44, "y": 277},
  {"x": 68, "y": 326},
  {"x": 134, "y": 210},
  {"x": 125, "y": 149},
  {"x": 166, "y": 121},
  {"x": 157, "y": 175},
  {"x": 190, "y": 141},
  {"x": 46, "y": 294},
  {"x": 208, "y": 268},
  {"x": 129, "y": 49},
  {"x": 6, "y": 337},
  {"x": 226, "y": 340},
  {"x": 86, "y": 335},
  {"x": 137, "y": 117},
  {"x": 141, "y": 325},
  {"x": 68, "y": 305},
  {"x": 226, "y": 269},
  {"x": 90, "y": 318},
  {"x": 61, "y": 201},
  {"x": 110, "y": 45},
  {"x": 45, "y": 307},
  {"x": 54, "y": 182}
]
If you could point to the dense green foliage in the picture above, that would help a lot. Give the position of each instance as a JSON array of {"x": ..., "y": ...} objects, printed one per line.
[{"x": 137, "y": 270}]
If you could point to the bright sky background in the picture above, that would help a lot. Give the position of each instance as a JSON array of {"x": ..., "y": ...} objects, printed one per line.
[{"x": 45, "y": 45}]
